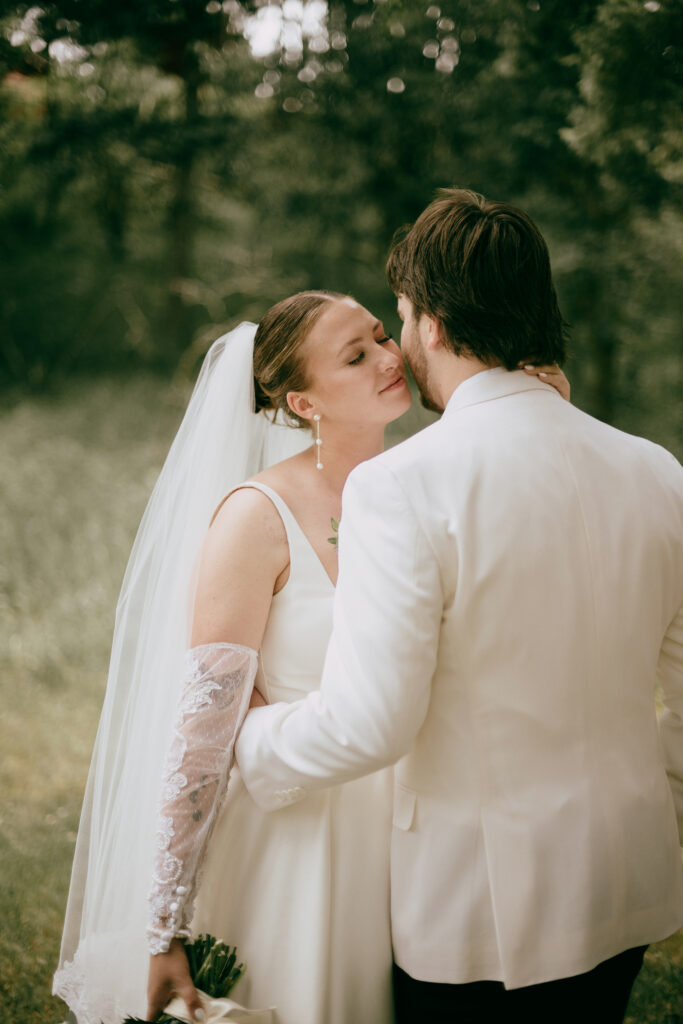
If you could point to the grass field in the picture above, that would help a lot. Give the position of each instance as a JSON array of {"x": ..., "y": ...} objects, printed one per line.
[{"x": 76, "y": 471}]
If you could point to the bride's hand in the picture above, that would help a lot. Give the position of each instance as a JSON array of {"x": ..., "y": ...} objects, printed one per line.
[
  {"x": 550, "y": 375},
  {"x": 169, "y": 975}
]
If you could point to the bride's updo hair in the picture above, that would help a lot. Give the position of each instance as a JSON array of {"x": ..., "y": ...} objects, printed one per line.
[{"x": 278, "y": 363}]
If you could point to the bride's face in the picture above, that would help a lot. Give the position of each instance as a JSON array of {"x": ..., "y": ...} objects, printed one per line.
[{"x": 356, "y": 372}]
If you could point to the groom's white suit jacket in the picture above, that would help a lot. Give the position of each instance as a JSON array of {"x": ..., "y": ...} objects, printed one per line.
[{"x": 511, "y": 582}]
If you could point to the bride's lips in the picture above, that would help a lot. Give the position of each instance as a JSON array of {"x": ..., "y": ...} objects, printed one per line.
[{"x": 397, "y": 382}]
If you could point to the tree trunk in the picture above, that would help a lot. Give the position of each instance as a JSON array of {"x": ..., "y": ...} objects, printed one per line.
[
  {"x": 605, "y": 349},
  {"x": 601, "y": 326}
]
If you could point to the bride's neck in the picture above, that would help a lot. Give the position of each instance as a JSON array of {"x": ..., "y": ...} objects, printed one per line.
[{"x": 342, "y": 450}]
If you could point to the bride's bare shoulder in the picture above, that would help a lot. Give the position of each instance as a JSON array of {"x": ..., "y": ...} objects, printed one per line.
[
  {"x": 246, "y": 516},
  {"x": 244, "y": 558}
]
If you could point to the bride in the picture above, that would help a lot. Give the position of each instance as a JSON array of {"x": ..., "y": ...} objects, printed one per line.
[{"x": 236, "y": 554}]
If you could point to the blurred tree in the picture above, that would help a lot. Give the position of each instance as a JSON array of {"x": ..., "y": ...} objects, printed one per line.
[
  {"x": 132, "y": 105},
  {"x": 492, "y": 96},
  {"x": 172, "y": 43},
  {"x": 170, "y": 145}
]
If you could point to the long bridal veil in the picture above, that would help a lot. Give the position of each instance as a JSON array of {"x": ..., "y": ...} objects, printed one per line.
[{"x": 221, "y": 442}]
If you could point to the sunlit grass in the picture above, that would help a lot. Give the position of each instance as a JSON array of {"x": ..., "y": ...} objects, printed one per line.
[{"x": 76, "y": 472}]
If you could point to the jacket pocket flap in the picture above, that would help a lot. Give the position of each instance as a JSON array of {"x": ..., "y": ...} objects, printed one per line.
[{"x": 404, "y": 807}]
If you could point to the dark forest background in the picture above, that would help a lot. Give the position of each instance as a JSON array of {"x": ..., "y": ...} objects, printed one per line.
[{"x": 161, "y": 182}]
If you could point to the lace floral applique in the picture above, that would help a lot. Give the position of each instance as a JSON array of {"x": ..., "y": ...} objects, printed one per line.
[
  {"x": 71, "y": 984},
  {"x": 218, "y": 682}
]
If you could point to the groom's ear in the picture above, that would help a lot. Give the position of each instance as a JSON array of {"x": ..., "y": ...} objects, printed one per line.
[{"x": 432, "y": 332}]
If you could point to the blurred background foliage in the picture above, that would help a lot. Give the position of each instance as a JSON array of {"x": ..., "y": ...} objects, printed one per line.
[{"x": 171, "y": 167}]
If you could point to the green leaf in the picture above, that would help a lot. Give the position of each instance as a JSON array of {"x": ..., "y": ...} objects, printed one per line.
[
  {"x": 213, "y": 965},
  {"x": 334, "y": 540}
]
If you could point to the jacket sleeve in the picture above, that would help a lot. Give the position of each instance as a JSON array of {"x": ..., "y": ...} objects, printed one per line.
[
  {"x": 670, "y": 671},
  {"x": 376, "y": 682}
]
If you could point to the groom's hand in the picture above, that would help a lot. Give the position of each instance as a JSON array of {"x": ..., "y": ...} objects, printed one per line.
[{"x": 169, "y": 975}]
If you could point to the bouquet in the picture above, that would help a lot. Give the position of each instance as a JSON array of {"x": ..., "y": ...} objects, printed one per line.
[{"x": 215, "y": 972}]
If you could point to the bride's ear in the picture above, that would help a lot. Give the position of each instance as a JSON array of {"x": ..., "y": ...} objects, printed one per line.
[{"x": 300, "y": 405}]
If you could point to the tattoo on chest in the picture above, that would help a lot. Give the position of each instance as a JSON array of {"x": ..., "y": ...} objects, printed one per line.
[{"x": 334, "y": 539}]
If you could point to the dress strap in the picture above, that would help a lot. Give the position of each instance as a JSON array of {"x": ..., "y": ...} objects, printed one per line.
[
  {"x": 286, "y": 515},
  {"x": 292, "y": 528}
]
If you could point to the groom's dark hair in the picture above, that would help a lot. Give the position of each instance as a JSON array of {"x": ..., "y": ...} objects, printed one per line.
[{"x": 483, "y": 270}]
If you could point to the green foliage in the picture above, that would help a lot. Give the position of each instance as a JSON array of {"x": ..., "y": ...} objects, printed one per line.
[
  {"x": 213, "y": 965},
  {"x": 627, "y": 118},
  {"x": 161, "y": 183}
]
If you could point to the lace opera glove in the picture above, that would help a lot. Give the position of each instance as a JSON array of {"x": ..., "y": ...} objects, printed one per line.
[{"x": 218, "y": 682}]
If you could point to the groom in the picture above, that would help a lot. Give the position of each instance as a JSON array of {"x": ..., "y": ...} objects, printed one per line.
[{"x": 511, "y": 582}]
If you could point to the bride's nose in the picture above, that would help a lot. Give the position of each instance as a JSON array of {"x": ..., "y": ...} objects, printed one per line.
[{"x": 392, "y": 359}]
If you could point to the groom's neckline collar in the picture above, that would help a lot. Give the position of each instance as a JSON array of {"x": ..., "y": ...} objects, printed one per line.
[{"x": 494, "y": 383}]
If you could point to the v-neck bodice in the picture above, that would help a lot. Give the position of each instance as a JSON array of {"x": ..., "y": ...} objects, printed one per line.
[
  {"x": 300, "y": 620},
  {"x": 298, "y": 873}
]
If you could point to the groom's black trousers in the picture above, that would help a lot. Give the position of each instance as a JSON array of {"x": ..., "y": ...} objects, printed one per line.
[{"x": 598, "y": 997}]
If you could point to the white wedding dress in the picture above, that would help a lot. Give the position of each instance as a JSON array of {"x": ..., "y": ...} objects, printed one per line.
[{"x": 304, "y": 892}]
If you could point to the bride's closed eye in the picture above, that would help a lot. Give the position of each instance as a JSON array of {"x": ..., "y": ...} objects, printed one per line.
[{"x": 361, "y": 355}]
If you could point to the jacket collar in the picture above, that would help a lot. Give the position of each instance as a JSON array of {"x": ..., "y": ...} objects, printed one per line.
[{"x": 491, "y": 384}]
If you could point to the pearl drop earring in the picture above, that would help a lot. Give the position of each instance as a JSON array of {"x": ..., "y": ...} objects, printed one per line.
[{"x": 318, "y": 442}]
